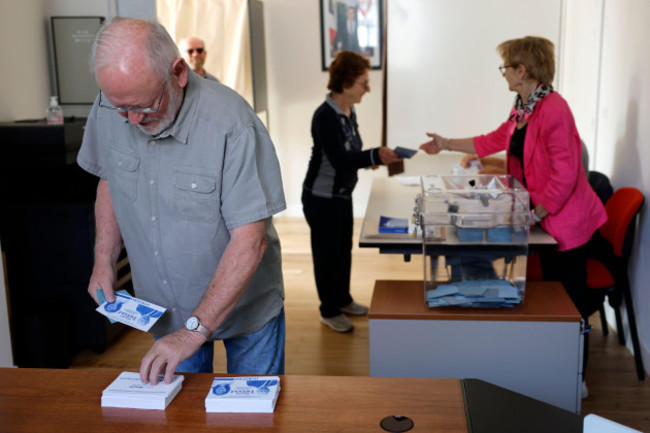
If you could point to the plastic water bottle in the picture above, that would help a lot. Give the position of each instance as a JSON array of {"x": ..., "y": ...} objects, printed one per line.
[{"x": 54, "y": 112}]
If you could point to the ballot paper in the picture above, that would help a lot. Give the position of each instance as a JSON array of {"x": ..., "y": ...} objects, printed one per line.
[
  {"x": 409, "y": 180},
  {"x": 482, "y": 293},
  {"x": 255, "y": 394},
  {"x": 474, "y": 167},
  {"x": 404, "y": 152},
  {"x": 128, "y": 391},
  {"x": 131, "y": 311}
]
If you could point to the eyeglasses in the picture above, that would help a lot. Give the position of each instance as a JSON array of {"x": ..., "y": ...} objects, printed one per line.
[
  {"x": 190, "y": 51},
  {"x": 503, "y": 68},
  {"x": 106, "y": 104},
  {"x": 364, "y": 84}
]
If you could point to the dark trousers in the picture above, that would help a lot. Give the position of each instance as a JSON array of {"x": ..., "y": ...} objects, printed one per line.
[
  {"x": 330, "y": 221},
  {"x": 570, "y": 268}
]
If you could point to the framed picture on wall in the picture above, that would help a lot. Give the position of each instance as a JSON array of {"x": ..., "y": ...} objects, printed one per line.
[
  {"x": 355, "y": 25},
  {"x": 72, "y": 39}
]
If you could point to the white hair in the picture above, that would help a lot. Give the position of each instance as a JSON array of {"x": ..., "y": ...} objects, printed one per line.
[{"x": 160, "y": 51}]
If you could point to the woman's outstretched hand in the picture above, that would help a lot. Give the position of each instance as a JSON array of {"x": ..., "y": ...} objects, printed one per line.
[{"x": 435, "y": 145}]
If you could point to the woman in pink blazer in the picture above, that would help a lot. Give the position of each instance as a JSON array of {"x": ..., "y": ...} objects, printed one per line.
[{"x": 544, "y": 153}]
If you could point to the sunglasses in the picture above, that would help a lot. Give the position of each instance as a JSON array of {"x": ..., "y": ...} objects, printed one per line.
[{"x": 198, "y": 50}]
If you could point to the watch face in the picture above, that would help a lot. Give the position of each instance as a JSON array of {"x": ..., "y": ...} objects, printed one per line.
[{"x": 192, "y": 323}]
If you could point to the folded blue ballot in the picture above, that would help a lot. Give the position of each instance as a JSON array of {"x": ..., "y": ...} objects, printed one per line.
[
  {"x": 393, "y": 225},
  {"x": 404, "y": 152}
]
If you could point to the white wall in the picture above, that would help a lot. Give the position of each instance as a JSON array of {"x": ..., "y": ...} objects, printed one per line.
[
  {"x": 580, "y": 61},
  {"x": 623, "y": 133},
  {"x": 24, "y": 87},
  {"x": 606, "y": 84},
  {"x": 297, "y": 86},
  {"x": 443, "y": 63}
]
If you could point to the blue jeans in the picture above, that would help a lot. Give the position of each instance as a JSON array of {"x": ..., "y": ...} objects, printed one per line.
[{"x": 260, "y": 352}]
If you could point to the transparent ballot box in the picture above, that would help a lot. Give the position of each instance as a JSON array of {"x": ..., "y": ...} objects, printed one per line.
[{"x": 474, "y": 240}]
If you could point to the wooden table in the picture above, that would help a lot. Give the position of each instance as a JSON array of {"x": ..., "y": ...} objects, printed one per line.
[
  {"x": 41, "y": 400},
  {"x": 534, "y": 349}
]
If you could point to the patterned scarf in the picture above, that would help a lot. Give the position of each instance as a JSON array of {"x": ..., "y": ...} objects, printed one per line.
[{"x": 521, "y": 111}]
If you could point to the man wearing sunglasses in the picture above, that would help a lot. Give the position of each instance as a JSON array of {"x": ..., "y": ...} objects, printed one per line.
[
  {"x": 194, "y": 53},
  {"x": 189, "y": 181}
]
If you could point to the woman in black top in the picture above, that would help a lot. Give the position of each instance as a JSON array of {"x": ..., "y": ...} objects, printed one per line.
[{"x": 331, "y": 178}]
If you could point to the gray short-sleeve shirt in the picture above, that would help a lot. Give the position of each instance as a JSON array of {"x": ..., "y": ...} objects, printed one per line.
[{"x": 177, "y": 195}]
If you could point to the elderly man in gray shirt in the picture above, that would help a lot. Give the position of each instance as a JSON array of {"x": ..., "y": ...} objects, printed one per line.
[{"x": 189, "y": 181}]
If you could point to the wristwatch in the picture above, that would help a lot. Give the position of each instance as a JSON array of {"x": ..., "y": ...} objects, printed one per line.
[{"x": 194, "y": 324}]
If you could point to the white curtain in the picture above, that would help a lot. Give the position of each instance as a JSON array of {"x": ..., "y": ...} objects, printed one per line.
[{"x": 223, "y": 25}]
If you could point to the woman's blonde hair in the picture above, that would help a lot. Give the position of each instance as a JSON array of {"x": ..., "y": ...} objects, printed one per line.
[{"x": 535, "y": 53}]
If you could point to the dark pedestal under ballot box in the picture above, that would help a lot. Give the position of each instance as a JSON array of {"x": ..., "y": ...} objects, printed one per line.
[{"x": 47, "y": 236}]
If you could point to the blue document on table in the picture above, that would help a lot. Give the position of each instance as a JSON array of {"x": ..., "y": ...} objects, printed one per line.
[{"x": 393, "y": 225}]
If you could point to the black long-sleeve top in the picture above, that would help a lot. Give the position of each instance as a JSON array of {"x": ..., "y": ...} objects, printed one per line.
[{"x": 336, "y": 154}]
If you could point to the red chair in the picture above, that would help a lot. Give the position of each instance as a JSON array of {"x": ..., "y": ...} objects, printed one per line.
[
  {"x": 534, "y": 268},
  {"x": 607, "y": 274},
  {"x": 603, "y": 189}
]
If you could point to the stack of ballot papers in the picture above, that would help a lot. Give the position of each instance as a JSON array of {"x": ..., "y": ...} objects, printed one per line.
[
  {"x": 128, "y": 391},
  {"x": 243, "y": 394},
  {"x": 483, "y": 293}
]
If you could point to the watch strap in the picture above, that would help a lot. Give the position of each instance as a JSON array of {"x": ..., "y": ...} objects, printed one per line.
[{"x": 203, "y": 330}]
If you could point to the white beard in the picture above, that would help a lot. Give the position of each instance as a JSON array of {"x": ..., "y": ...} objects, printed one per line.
[{"x": 158, "y": 125}]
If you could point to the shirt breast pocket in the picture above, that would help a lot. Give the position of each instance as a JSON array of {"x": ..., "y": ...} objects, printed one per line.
[
  {"x": 195, "y": 197},
  {"x": 125, "y": 169}
]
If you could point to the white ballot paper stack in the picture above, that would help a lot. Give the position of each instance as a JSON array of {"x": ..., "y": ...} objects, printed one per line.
[
  {"x": 243, "y": 394},
  {"x": 128, "y": 391}
]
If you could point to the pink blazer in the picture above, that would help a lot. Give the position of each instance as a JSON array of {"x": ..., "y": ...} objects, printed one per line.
[{"x": 554, "y": 173}]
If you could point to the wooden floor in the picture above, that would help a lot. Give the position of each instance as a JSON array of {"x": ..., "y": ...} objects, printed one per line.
[{"x": 313, "y": 349}]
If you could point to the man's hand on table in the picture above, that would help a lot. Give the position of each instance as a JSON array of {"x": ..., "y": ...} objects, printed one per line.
[{"x": 167, "y": 352}]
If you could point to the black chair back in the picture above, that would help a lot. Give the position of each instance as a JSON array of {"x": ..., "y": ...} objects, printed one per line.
[{"x": 601, "y": 185}]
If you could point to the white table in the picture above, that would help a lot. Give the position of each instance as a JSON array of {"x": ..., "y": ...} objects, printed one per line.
[{"x": 390, "y": 197}]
